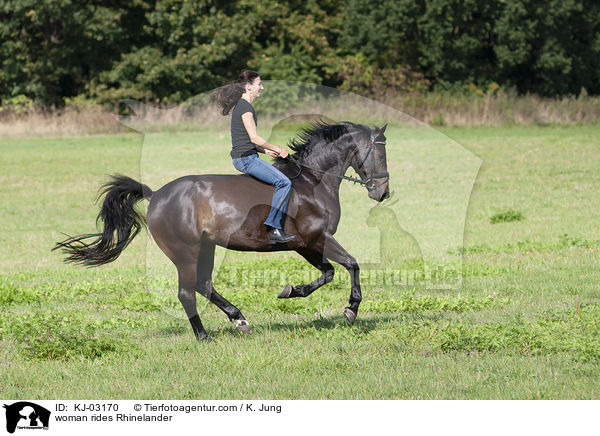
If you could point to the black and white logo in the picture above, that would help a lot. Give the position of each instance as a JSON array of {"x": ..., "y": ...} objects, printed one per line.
[{"x": 25, "y": 415}]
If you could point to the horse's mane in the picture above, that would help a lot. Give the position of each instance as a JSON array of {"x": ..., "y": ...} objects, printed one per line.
[{"x": 315, "y": 134}]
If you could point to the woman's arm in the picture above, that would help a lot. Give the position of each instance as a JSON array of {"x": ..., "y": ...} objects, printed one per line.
[{"x": 250, "y": 126}]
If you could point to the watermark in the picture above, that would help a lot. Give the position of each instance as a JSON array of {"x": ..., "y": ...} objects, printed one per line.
[
  {"x": 24, "y": 415},
  {"x": 267, "y": 417},
  {"x": 437, "y": 277}
]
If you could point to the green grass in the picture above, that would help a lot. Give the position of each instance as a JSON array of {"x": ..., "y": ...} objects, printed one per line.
[
  {"x": 506, "y": 217},
  {"x": 525, "y": 324}
]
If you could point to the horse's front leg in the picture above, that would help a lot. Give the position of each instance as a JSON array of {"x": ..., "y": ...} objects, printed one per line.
[
  {"x": 318, "y": 260},
  {"x": 334, "y": 251}
]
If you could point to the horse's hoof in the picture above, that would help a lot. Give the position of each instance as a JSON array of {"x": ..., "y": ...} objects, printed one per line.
[
  {"x": 350, "y": 316},
  {"x": 243, "y": 326},
  {"x": 205, "y": 338},
  {"x": 286, "y": 291}
]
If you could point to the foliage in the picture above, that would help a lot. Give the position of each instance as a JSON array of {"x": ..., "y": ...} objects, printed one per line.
[
  {"x": 198, "y": 45},
  {"x": 170, "y": 50},
  {"x": 555, "y": 332},
  {"x": 297, "y": 40},
  {"x": 189, "y": 43},
  {"x": 18, "y": 105},
  {"x": 359, "y": 75},
  {"x": 60, "y": 336},
  {"x": 50, "y": 50},
  {"x": 550, "y": 48},
  {"x": 446, "y": 40},
  {"x": 506, "y": 216}
]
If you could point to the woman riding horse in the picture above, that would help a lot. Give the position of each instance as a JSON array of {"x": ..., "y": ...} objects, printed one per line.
[
  {"x": 245, "y": 142},
  {"x": 190, "y": 216}
]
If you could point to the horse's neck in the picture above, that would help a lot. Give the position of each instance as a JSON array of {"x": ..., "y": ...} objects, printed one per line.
[
  {"x": 330, "y": 166},
  {"x": 325, "y": 179},
  {"x": 326, "y": 190}
]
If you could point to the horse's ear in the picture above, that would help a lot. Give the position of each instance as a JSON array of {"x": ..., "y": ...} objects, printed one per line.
[{"x": 379, "y": 132}]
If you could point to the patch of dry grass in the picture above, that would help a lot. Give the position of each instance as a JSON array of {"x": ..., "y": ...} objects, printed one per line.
[
  {"x": 68, "y": 121},
  {"x": 436, "y": 109}
]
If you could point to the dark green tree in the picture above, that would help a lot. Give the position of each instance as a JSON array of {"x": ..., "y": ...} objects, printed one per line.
[
  {"x": 197, "y": 45},
  {"x": 169, "y": 50},
  {"x": 189, "y": 44},
  {"x": 549, "y": 47},
  {"x": 298, "y": 40},
  {"x": 51, "y": 49}
]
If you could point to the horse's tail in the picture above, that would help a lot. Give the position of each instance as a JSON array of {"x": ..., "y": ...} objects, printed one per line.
[{"x": 119, "y": 215}]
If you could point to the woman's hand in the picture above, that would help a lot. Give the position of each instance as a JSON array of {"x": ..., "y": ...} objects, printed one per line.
[{"x": 280, "y": 152}]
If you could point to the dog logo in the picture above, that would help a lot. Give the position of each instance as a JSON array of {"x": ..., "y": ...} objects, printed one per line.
[{"x": 25, "y": 415}]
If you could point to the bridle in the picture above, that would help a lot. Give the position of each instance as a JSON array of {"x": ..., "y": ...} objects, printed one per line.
[{"x": 369, "y": 182}]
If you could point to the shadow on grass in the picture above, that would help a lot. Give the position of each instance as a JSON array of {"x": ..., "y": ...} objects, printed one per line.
[
  {"x": 368, "y": 323},
  {"x": 167, "y": 332},
  {"x": 364, "y": 324}
]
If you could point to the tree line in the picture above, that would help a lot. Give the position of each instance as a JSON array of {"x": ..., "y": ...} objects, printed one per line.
[{"x": 170, "y": 50}]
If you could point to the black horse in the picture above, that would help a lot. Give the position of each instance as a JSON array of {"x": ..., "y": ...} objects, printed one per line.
[{"x": 190, "y": 215}]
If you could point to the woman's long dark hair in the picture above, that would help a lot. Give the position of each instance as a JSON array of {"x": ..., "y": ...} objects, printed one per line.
[{"x": 228, "y": 95}]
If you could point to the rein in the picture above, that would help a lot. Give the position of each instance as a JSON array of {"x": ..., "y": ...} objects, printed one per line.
[{"x": 366, "y": 183}]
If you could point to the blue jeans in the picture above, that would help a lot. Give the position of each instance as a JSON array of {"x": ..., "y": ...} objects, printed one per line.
[{"x": 265, "y": 172}]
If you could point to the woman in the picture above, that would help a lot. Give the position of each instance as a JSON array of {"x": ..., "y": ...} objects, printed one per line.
[{"x": 237, "y": 98}]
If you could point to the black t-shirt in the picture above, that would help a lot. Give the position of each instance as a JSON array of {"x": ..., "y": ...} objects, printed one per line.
[{"x": 240, "y": 140}]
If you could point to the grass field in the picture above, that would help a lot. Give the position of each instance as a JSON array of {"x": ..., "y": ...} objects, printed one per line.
[{"x": 525, "y": 323}]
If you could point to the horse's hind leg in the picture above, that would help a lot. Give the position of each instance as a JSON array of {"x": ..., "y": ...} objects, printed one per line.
[
  {"x": 187, "y": 296},
  {"x": 204, "y": 286},
  {"x": 316, "y": 259}
]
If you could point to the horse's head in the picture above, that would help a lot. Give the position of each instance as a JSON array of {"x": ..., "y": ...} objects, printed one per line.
[{"x": 369, "y": 161}]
